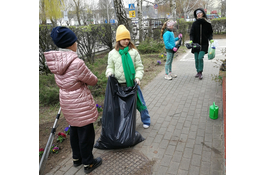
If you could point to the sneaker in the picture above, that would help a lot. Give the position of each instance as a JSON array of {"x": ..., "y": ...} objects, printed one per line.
[
  {"x": 168, "y": 77},
  {"x": 173, "y": 75},
  {"x": 145, "y": 126},
  {"x": 197, "y": 75},
  {"x": 200, "y": 76},
  {"x": 91, "y": 167},
  {"x": 77, "y": 162}
]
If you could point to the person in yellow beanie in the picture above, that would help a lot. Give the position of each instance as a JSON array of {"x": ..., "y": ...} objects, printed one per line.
[{"x": 124, "y": 56}]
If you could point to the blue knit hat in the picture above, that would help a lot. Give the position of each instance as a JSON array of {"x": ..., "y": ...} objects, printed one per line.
[{"x": 63, "y": 37}]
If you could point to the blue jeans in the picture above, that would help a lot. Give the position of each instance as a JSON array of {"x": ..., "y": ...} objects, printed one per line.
[
  {"x": 168, "y": 64},
  {"x": 145, "y": 117}
]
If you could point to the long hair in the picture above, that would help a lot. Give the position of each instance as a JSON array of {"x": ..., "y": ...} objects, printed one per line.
[
  {"x": 162, "y": 30},
  {"x": 118, "y": 46}
]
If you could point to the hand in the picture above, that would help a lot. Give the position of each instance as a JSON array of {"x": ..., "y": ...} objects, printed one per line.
[
  {"x": 175, "y": 49},
  {"x": 180, "y": 35},
  {"x": 191, "y": 42},
  {"x": 109, "y": 74},
  {"x": 137, "y": 81},
  {"x": 211, "y": 41}
]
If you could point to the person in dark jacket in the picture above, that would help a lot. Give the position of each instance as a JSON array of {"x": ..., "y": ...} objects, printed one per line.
[{"x": 201, "y": 32}]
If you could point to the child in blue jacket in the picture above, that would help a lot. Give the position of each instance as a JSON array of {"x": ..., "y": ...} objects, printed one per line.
[{"x": 169, "y": 40}]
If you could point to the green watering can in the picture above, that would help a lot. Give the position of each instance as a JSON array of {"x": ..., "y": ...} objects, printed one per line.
[{"x": 213, "y": 112}]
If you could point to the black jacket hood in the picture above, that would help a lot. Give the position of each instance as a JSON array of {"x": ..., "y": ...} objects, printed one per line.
[{"x": 204, "y": 14}]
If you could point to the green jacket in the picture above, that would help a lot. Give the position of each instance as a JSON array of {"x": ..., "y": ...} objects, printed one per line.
[{"x": 115, "y": 65}]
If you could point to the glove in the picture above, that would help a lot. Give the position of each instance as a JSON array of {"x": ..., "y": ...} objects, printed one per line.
[
  {"x": 211, "y": 41},
  {"x": 109, "y": 74},
  {"x": 175, "y": 49},
  {"x": 180, "y": 35},
  {"x": 191, "y": 42},
  {"x": 137, "y": 81}
]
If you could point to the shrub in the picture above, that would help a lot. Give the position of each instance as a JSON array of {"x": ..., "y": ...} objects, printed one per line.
[
  {"x": 45, "y": 43},
  {"x": 219, "y": 25},
  {"x": 99, "y": 68},
  {"x": 48, "y": 90},
  {"x": 150, "y": 46},
  {"x": 88, "y": 38},
  {"x": 183, "y": 29},
  {"x": 86, "y": 41},
  {"x": 156, "y": 34}
]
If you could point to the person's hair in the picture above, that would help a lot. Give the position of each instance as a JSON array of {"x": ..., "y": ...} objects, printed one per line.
[
  {"x": 162, "y": 30},
  {"x": 118, "y": 46}
]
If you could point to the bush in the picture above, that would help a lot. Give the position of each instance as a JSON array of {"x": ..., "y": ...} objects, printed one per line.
[
  {"x": 45, "y": 43},
  {"x": 156, "y": 34},
  {"x": 150, "y": 46},
  {"x": 183, "y": 29},
  {"x": 99, "y": 68},
  {"x": 48, "y": 90},
  {"x": 219, "y": 25},
  {"x": 88, "y": 37}
]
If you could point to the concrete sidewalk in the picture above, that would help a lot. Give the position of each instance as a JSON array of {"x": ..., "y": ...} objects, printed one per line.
[{"x": 182, "y": 139}]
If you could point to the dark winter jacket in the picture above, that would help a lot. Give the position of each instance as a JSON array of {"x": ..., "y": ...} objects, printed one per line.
[{"x": 201, "y": 32}]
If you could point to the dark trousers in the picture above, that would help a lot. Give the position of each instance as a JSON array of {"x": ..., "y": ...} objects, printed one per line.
[{"x": 82, "y": 142}]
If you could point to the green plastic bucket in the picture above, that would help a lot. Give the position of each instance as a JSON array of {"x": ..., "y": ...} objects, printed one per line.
[{"x": 213, "y": 112}]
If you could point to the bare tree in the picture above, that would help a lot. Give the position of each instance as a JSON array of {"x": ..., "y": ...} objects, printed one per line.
[
  {"x": 86, "y": 14},
  {"x": 121, "y": 13},
  {"x": 106, "y": 10},
  {"x": 223, "y": 8},
  {"x": 186, "y": 6},
  {"x": 172, "y": 6},
  {"x": 77, "y": 6}
]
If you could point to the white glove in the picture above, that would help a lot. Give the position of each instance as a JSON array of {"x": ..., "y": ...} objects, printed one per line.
[
  {"x": 137, "y": 81},
  {"x": 109, "y": 74}
]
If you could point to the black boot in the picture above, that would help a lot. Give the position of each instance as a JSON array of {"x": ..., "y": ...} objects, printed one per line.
[
  {"x": 77, "y": 162},
  {"x": 89, "y": 168}
]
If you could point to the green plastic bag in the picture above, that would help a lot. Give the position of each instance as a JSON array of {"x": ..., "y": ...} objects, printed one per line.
[{"x": 211, "y": 52}]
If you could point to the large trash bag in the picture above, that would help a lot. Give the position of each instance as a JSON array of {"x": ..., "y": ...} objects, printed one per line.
[{"x": 119, "y": 117}]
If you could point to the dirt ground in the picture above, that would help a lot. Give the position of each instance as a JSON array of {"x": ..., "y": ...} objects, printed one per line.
[
  {"x": 45, "y": 125},
  {"x": 64, "y": 147}
]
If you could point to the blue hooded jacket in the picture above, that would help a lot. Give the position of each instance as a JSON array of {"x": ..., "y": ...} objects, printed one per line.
[{"x": 169, "y": 39}]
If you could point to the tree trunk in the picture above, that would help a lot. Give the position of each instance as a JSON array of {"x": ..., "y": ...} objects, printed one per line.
[
  {"x": 78, "y": 17},
  {"x": 54, "y": 22},
  {"x": 121, "y": 14},
  {"x": 140, "y": 19},
  {"x": 77, "y": 4},
  {"x": 43, "y": 18},
  {"x": 173, "y": 10}
]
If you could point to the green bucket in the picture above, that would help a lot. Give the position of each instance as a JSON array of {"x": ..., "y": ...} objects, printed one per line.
[{"x": 213, "y": 112}]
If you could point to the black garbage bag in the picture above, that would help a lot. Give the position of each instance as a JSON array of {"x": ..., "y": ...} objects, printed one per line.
[{"x": 119, "y": 117}]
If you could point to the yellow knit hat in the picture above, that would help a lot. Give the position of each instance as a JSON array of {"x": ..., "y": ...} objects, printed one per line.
[{"x": 122, "y": 33}]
